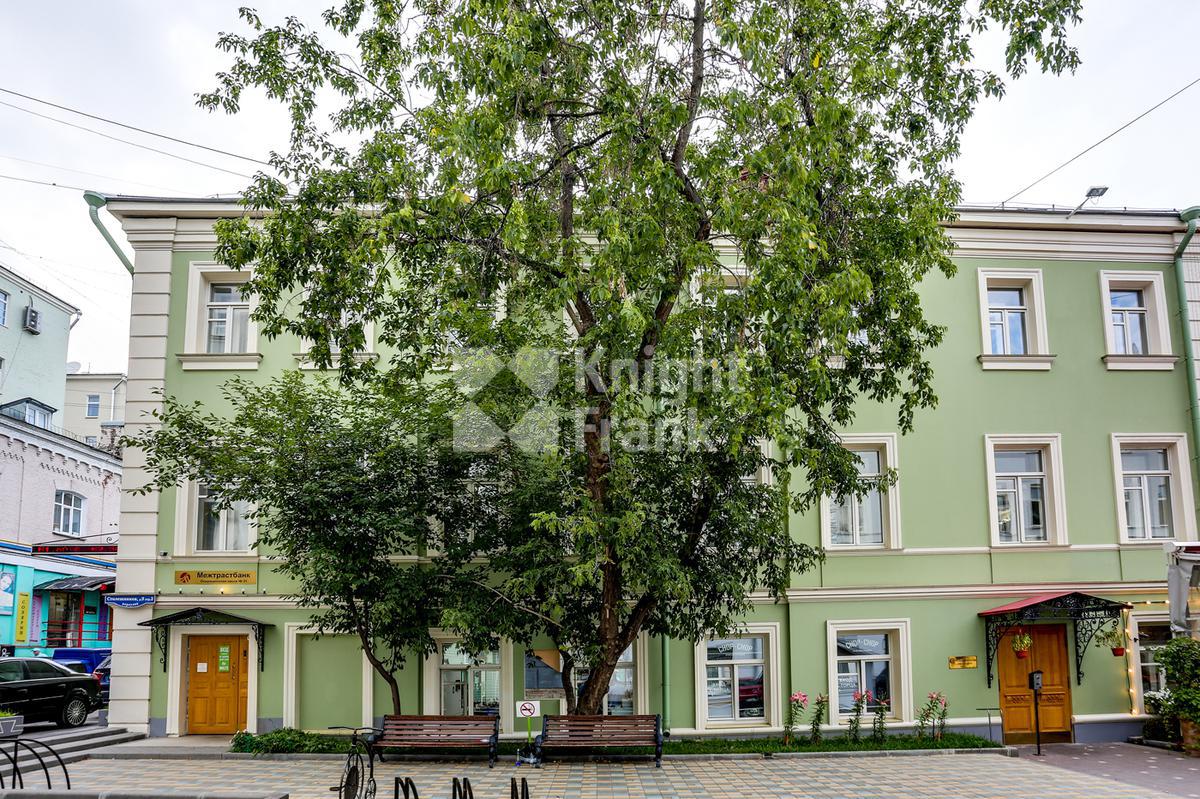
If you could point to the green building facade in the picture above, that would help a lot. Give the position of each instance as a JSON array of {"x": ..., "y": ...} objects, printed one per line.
[{"x": 1050, "y": 477}]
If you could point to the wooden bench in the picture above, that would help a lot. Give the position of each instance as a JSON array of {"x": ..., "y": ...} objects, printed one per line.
[
  {"x": 600, "y": 732},
  {"x": 437, "y": 732}
]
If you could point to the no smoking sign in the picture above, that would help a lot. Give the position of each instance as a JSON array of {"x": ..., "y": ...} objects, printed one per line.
[{"x": 529, "y": 708}]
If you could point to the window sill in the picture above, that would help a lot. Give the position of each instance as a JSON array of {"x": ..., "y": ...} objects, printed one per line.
[
  {"x": 1022, "y": 363},
  {"x": 1152, "y": 542},
  {"x": 1053, "y": 545},
  {"x": 303, "y": 363},
  {"x": 232, "y": 556},
  {"x": 834, "y": 549},
  {"x": 205, "y": 361},
  {"x": 66, "y": 535},
  {"x": 1140, "y": 363}
]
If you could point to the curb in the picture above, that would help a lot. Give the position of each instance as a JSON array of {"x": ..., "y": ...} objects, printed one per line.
[{"x": 176, "y": 754}]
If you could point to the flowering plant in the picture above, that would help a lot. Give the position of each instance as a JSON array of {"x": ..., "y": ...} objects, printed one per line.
[
  {"x": 819, "y": 705},
  {"x": 943, "y": 710},
  {"x": 797, "y": 703},
  {"x": 860, "y": 701},
  {"x": 879, "y": 723}
]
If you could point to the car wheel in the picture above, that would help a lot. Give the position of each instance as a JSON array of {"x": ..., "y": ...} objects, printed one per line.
[{"x": 74, "y": 712}]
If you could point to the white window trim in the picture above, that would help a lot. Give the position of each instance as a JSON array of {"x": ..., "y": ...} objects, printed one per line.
[
  {"x": 176, "y": 685},
  {"x": 1158, "y": 325},
  {"x": 641, "y": 676},
  {"x": 888, "y": 445},
  {"x": 1134, "y": 653},
  {"x": 771, "y": 685},
  {"x": 431, "y": 700},
  {"x": 186, "y": 510},
  {"x": 291, "y": 673},
  {"x": 1182, "y": 502},
  {"x": 194, "y": 357},
  {"x": 901, "y": 658},
  {"x": 1056, "y": 504},
  {"x": 83, "y": 506},
  {"x": 4, "y": 306},
  {"x": 1039, "y": 357},
  {"x": 87, "y": 405}
]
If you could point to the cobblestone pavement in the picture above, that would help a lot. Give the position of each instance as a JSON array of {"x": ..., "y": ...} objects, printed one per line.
[
  {"x": 1160, "y": 769},
  {"x": 958, "y": 776}
]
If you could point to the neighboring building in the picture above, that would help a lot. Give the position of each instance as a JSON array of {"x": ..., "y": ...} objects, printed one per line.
[
  {"x": 34, "y": 327},
  {"x": 59, "y": 497},
  {"x": 95, "y": 407},
  {"x": 1034, "y": 499}
]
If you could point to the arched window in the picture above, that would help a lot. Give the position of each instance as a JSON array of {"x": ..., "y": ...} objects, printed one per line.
[{"x": 68, "y": 512}]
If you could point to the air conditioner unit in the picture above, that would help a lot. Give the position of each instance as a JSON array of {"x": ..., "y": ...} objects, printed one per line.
[{"x": 33, "y": 320}]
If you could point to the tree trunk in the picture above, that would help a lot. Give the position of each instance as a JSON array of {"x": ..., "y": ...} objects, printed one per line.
[{"x": 567, "y": 674}]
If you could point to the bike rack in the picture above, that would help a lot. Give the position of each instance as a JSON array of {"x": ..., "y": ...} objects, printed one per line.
[
  {"x": 462, "y": 790},
  {"x": 524, "y": 793},
  {"x": 408, "y": 786},
  {"x": 14, "y": 759}
]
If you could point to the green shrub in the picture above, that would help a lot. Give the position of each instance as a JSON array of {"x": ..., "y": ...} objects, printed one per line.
[
  {"x": 286, "y": 741},
  {"x": 1180, "y": 657}
]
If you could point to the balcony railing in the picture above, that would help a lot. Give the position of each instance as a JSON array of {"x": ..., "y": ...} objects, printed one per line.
[{"x": 78, "y": 633}]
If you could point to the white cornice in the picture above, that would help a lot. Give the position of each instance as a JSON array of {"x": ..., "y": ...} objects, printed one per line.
[{"x": 961, "y": 591}]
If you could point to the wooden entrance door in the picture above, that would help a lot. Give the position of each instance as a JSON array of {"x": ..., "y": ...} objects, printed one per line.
[
  {"x": 1049, "y": 654},
  {"x": 217, "y": 671}
]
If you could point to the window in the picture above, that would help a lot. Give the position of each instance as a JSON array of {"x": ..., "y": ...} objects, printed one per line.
[
  {"x": 221, "y": 529},
  {"x": 619, "y": 701},
  {"x": 93, "y": 406},
  {"x": 90, "y": 440},
  {"x": 1013, "y": 320},
  {"x": 869, "y": 655},
  {"x": 864, "y": 663},
  {"x": 68, "y": 513},
  {"x": 1006, "y": 320},
  {"x": 219, "y": 333},
  {"x": 1151, "y": 637},
  {"x": 469, "y": 685},
  {"x": 37, "y": 416},
  {"x": 4, "y": 308},
  {"x": 11, "y": 671},
  {"x": 872, "y": 520},
  {"x": 1146, "y": 478},
  {"x": 228, "y": 319},
  {"x": 1136, "y": 332},
  {"x": 1025, "y": 475},
  {"x": 1153, "y": 487},
  {"x": 734, "y": 672}
]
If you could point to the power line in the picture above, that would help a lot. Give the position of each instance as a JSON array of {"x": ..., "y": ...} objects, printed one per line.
[
  {"x": 126, "y": 141},
  {"x": 90, "y": 174},
  {"x": 43, "y": 183},
  {"x": 1084, "y": 152},
  {"x": 135, "y": 128}
]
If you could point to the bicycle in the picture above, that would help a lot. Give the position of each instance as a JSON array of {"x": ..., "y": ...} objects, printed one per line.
[{"x": 353, "y": 784}]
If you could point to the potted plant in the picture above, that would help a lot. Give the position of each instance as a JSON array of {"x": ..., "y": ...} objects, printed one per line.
[
  {"x": 1113, "y": 638},
  {"x": 1022, "y": 642},
  {"x": 1180, "y": 658},
  {"x": 11, "y": 724}
]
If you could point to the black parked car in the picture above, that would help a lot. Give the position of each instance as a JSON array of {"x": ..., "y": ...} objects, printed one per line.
[{"x": 42, "y": 690}]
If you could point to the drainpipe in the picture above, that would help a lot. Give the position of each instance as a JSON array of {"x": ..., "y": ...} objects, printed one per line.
[
  {"x": 666, "y": 683},
  {"x": 95, "y": 202},
  {"x": 1189, "y": 355}
]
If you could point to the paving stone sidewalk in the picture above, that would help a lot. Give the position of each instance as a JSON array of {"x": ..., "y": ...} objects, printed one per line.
[
  {"x": 1160, "y": 769},
  {"x": 961, "y": 777}
]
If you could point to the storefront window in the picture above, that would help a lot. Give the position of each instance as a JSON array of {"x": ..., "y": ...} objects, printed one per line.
[
  {"x": 470, "y": 684},
  {"x": 734, "y": 670},
  {"x": 864, "y": 663},
  {"x": 619, "y": 699}
]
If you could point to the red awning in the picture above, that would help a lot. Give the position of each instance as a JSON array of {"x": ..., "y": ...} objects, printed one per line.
[{"x": 1024, "y": 603}]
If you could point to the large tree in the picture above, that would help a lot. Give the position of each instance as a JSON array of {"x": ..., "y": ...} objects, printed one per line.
[
  {"x": 753, "y": 187},
  {"x": 337, "y": 482}
]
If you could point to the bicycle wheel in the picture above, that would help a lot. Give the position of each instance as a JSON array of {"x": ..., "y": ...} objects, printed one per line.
[
  {"x": 369, "y": 789},
  {"x": 350, "y": 777}
]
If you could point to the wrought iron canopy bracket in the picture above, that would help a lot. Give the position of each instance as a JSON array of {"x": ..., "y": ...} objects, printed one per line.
[
  {"x": 161, "y": 627},
  {"x": 162, "y": 637},
  {"x": 1090, "y": 614}
]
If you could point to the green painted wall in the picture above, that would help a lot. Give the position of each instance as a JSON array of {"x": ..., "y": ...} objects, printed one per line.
[{"x": 329, "y": 681}]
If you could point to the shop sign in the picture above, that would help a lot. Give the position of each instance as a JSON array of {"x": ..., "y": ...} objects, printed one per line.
[
  {"x": 22, "y": 625},
  {"x": 964, "y": 662},
  {"x": 223, "y": 657},
  {"x": 129, "y": 600},
  {"x": 216, "y": 577}
]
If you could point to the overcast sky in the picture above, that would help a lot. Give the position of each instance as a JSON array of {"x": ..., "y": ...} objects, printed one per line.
[{"x": 142, "y": 61}]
